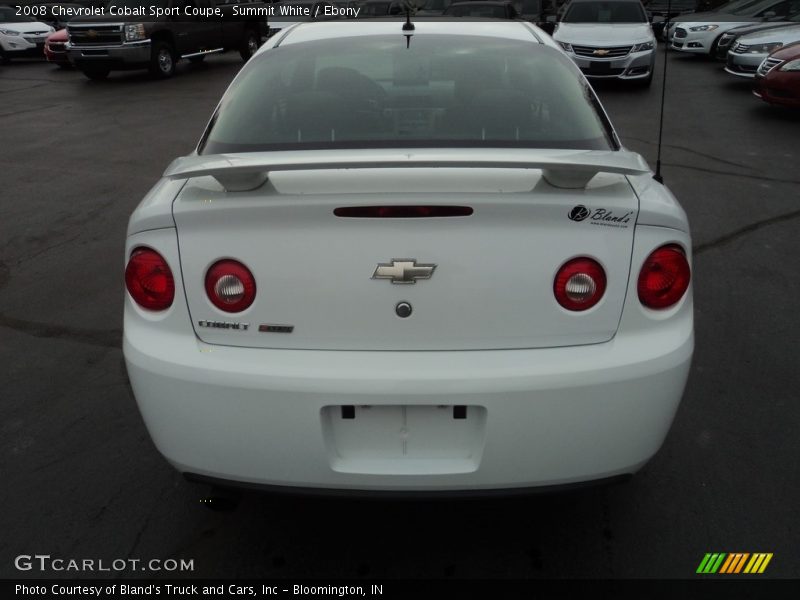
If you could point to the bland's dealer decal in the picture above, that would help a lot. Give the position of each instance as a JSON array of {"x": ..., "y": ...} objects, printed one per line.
[{"x": 601, "y": 216}]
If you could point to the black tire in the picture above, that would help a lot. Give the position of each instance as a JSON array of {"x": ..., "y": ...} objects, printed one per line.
[
  {"x": 196, "y": 60},
  {"x": 162, "y": 60},
  {"x": 4, "y": 58},
  {"x": 250, "y": 43},
  {"x": 712, "y": 54},
  {"x": 95, "y": 72}
]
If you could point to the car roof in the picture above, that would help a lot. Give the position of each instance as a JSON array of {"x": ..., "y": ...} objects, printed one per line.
[{"x": 508, "y": 30}]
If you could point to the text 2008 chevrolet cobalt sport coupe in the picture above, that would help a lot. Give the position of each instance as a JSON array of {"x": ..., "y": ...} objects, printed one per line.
[{"x": 408, "y": 261}]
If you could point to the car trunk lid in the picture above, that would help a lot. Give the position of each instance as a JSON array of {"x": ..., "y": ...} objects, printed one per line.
[{"x": 482, "y": 280}]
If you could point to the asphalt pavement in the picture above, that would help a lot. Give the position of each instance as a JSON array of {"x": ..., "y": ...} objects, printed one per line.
[{"x": 81, "y": 479}]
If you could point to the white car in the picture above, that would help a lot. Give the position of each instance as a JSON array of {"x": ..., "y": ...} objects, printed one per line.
[
  {"x": 408, "y": 261},
  {"x": 727, "y": 8},
  {"x": 21, "y": 36},
  {"x": 696, "y": 35},
  {"x": 290, "y": 12},
  {"x": 608, "y": 39},
  {"x": 749, "y": 51}
]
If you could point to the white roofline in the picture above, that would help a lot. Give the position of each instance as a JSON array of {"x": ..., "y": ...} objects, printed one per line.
[{"x": 319, "y": 30}]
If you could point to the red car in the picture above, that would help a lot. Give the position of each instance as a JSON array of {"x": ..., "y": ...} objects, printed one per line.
[
  {"x": 55, "y": 49},
  {"x": 778, "y": 78}
]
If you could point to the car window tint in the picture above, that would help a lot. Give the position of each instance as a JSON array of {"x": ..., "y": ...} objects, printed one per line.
[{"x": 373, "y": 91}]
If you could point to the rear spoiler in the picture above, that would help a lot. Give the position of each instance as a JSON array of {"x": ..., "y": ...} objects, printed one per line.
[{"x": 560, "y": 168}]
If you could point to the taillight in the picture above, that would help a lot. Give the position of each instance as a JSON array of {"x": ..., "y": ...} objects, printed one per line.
[
  {"x": 149, "y": 280},
  {"x": 579, "y": 284},
  {"x": 664, "y": 277},
  {"x": 402, "y": 212},
  {"x": 230, "y": 286}
]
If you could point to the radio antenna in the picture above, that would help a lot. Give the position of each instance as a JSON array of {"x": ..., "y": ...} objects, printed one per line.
[
  {"x": 408, "y": 25},
  {"x": 658, "y": 176}
]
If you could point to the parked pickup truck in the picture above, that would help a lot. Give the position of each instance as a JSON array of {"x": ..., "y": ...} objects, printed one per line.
[{"x": 119, "y": 37}]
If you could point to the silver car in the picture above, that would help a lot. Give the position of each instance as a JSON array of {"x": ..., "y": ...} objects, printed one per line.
[
  {"x": 728, "y": 38},
  {"x": 749, "y": 51},
  {"x": 609, "y": 39}
]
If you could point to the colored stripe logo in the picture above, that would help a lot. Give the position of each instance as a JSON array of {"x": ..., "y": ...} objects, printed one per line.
[{"x": 734, "y": 563}]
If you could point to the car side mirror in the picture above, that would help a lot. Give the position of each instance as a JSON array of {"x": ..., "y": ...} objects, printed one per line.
[{"x": 770, "y": 14}]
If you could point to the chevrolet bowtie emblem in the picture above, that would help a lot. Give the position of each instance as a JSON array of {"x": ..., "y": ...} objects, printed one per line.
[
  {"x": 600, "y": 52},
  {"x": 403, "y": 270},
  {"x": 91, "y": 33}
]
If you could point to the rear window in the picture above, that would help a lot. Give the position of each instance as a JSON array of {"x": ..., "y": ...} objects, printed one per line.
[{"x": 441, "y": 91}]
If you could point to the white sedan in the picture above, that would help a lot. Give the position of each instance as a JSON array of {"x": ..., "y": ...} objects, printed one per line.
[
  {"x": 700, "y": 33},
  {"x": 749, "y": 51},
  {"x": 609, "y": 39},
  {"x": 408, "y": 261}
]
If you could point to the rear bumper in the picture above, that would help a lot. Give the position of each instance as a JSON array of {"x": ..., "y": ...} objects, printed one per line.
[
  {"x": 545, "y": 417},
  {"x": 280, "y": 490}
]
